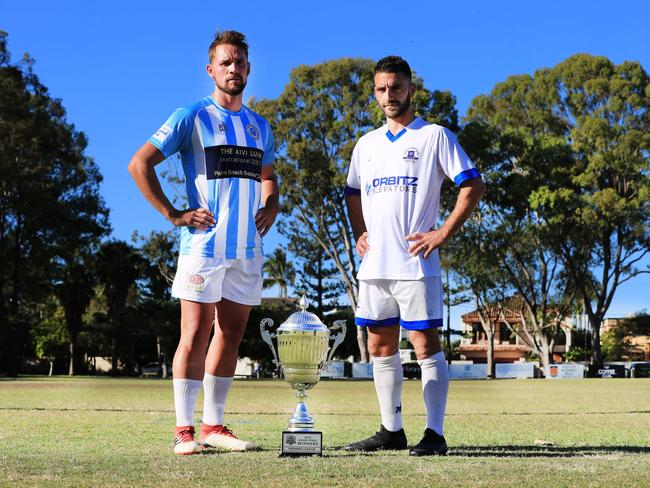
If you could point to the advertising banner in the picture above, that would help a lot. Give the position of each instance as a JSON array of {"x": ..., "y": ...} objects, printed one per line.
[
  {"x": 468, "y": 371},
  {"x": 335, "y": 369},
  {"x": 565, "y": 371},
  {"x": 514, "y": 370},
  {"x": 362, "y": 370}
]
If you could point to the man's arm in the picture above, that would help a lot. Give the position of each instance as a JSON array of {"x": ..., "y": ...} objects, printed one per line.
[
  {"x": 270, "y": 198},
  {"x": 142, "y": 171},
  {"x": 355, "y": 214},
  {"x": 469, "y": 195}
]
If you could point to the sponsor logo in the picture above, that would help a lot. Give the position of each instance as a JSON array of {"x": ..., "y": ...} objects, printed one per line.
[
  {"x": 606, "y": 373},
  {"x": 411, "y": 155},
  {"x": 231, "y": 161},
  {"x": 388, "y": 184},
  {"x": 398, "y": 409},
  {"x": 253, "y": 131},
  {"x": 222, "y": 127},
  {"x": 162, "y": 133},
  {"x": 195, "y": 282}
]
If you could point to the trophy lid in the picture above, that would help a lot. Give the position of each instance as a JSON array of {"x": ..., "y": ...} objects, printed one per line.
[{"x": 303, "y": 320}]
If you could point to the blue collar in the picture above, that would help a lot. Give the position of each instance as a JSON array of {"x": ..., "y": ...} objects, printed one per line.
[{"x": 393, "y": 138}]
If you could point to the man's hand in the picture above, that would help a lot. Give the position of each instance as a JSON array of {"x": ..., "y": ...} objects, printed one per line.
[
  {"x": 201, "y": 218},
  {"x": 426, "y": 242},
  {"x": 362, "y": 245},
  {"x": 265, "y": 218}
]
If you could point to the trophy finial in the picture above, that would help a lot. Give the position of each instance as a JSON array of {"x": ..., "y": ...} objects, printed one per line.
[{"x": 304, "y": 303}]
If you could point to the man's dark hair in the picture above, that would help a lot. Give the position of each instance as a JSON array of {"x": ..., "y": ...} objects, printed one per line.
[
  {"x": 393, "y": 64},
  {"x": 231, "y": 37}
]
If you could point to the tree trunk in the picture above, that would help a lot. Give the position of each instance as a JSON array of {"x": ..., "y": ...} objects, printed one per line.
[
  {"x": 490, "y": 353},
  {"x": 545, "y": 355},
  {"x": 72, "y": 352},
  {"x": 113, "y": 357},
  {"x": 362, "y": 341},
  {"x": 51, "y": 361}
]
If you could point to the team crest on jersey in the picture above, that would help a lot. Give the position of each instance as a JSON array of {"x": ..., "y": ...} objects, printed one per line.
[
  {"x": 411, "y": 155},
  {"x": 253, "y": 131}
]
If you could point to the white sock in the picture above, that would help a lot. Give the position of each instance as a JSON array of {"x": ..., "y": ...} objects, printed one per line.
[
  {"x": 215, "y": 390},
  {"x": 435, "y": 384},
  {"x": 388, "y": 376},
  {"x": 185, "y": 392}
]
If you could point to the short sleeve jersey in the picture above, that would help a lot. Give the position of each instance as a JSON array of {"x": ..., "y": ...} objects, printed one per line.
[
  {"x": 222, "y": 153},
  {"x": 399, "y": 179}
]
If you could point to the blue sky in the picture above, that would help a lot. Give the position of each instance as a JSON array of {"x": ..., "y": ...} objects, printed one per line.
[{"x": 121, "y": 67}]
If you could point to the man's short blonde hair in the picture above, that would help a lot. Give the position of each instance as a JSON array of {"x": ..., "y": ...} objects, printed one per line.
[{"x": 231, "y": 37}]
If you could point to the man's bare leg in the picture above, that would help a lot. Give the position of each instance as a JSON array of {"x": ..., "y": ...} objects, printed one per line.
[
  {"x": 189, "y": 361},
  {"x": 220, "y": 364}
]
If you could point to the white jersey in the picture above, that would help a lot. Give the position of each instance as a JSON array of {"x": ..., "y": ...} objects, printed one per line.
[
  {"x": 399, "y": 178},
  {"x": 223, "y": 153}
]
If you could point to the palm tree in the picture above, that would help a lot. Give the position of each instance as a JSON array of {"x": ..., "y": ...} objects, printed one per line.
[{"x": 278, "y": 271}]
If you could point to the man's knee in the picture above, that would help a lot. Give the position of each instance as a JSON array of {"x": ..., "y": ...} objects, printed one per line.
[
  {"x": 383, "y": 341},
  {"x": 426, "y": 343}
]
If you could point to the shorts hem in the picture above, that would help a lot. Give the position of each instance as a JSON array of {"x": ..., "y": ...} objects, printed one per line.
[
  {"x": 362, "y": 322},
  {"x": 196, "y": 299},
  {"x": 242, "y": 301},
  {"x": 421, "y": 324}
]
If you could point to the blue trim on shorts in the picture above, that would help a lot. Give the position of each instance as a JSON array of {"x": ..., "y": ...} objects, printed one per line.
[
  {"x": 361, "y": 322},
  {"x": 421, "y": 324}
]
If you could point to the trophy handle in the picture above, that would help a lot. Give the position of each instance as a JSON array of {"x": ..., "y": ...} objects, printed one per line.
[
  {"x": 338, "y": 338},
  {"x": 267, "y": 336}
]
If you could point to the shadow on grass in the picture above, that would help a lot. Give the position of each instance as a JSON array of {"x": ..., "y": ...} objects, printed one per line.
[
  {"x": 516, "y": 451},
  {"x": 544, "y": 451}
]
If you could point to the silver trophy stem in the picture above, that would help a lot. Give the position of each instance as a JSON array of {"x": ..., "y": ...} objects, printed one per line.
[{"x": 301, "y": 421}]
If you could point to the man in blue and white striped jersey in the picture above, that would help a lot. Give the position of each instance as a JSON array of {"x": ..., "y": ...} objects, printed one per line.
[{"x": 227, "y": 153}]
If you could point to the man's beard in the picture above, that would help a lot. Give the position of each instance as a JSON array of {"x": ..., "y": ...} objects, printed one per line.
[
  {"x": 232, "y": 90},
  {"x": 402, "y": 107}
]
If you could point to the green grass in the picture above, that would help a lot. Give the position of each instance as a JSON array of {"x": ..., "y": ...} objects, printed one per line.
[{"x": 107, "y": 432}]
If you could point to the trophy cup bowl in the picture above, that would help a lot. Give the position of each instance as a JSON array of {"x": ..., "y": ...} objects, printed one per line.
[{"x": 302, "y": 351}]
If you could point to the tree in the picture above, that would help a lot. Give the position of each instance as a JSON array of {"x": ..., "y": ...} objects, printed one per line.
[
  {"x": 279, "y": 271},
  {"x": 75, "y": 290},
  {"x": 119, "y": 265},
  {"x": 49, "y": 335},
  {"x": 318, "y": 118},
  {"x": 159, "y": 250},
  {"x": 476, "y": 269},
  {"x": 49, "y": 199},
  {"x": 572, "y": 145},
  {"x": 318, "y": 278}
]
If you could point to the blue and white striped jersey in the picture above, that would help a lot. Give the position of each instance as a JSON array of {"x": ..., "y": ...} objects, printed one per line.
[
  {"x": 222, "y": 154},
  {"x": 399, "y": 178}
]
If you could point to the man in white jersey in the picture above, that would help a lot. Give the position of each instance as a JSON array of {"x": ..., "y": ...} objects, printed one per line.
[
  {"x": 227, "y": 155},
  {"x": 392, "y": 193}
]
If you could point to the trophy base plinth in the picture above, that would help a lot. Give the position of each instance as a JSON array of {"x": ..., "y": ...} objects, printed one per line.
[{"x": 305, "y": 443}]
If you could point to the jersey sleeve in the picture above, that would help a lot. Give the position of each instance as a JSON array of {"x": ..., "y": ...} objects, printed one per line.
[
  {"x": 269, "y": 147},
  {"x": 353, "y": 183},
  {"x": 174, "y": 134},
  {"x": 453, "y": 160}
]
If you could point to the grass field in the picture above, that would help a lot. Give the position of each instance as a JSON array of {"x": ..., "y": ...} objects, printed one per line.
[{"x": 118, "y": 432}]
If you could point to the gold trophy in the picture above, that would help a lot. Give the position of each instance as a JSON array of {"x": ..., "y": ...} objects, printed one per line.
[{"x": 302, "y": 352}]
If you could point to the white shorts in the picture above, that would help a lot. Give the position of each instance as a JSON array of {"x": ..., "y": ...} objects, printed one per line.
[
  {"x": 208, "y": 280},
  {"x": 413, "y": 304}
]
